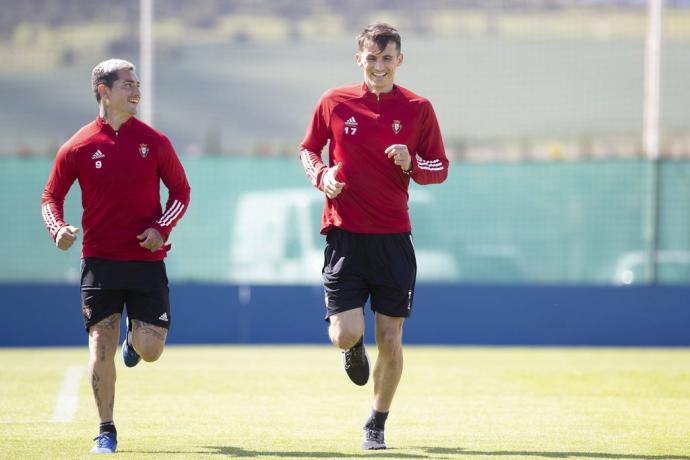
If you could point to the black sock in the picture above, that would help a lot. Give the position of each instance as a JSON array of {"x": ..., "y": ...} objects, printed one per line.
[
  {"x": 376, "y": 420},
  {"x": 107, "y": 427},
  {"x": 360, "y": 342}
]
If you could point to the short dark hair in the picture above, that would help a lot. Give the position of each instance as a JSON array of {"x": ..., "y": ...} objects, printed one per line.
[
  {"x": 379, "y": 33},
  {"x": 106, "y": 73}
]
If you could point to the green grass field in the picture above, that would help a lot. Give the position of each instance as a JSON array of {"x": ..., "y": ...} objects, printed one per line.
[{"x": 295, "y": 402}]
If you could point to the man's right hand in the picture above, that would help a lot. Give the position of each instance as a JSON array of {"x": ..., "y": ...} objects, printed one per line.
[
  {"x": 66, "y": 237},
  {"x": 331, "y": 186}
]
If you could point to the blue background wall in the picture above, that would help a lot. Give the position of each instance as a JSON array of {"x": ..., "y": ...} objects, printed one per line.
[{"x": 38, "y": 315}]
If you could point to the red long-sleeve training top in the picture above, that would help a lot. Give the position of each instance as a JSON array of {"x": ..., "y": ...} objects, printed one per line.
[
  {"x": 119, "y": 173},
  {"x": 359, "y": 126}
]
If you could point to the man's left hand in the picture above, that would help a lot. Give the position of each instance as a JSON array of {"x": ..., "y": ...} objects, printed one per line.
[
  {"x": 150, "y": 239},
  {"x": 400, "y": 155}
]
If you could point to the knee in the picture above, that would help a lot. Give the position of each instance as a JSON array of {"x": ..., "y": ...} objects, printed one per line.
[
  {"x": 149, "y": 348},
  {"x": 389, "y": 343},
  {"x": 102, "y": 346},
  {"x": 150, "y": 352},
  {"x": 102, "y": 352},
  {"x": 148, "y": 340},
  {"x": 344, "y": 339}
]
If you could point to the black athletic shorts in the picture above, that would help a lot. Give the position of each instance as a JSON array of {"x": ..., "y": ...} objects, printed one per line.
[
  {"x": 108, "y": 285},
  {"x": 357, "y": 266}
]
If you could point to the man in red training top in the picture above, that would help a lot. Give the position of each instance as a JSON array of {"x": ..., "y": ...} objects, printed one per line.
[
  {"x": 119, "y": 162},
  {"x": 380, "y": 136}
]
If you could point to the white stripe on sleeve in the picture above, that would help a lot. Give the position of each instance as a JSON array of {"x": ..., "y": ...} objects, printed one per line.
[{"x": 171, "y": 214}]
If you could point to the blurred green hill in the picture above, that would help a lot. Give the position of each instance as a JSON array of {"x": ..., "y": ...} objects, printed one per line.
[{"x": 509, "y": 80}]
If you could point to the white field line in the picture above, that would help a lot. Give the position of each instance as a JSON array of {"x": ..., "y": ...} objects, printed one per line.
[{"x": 66, "y": 404}]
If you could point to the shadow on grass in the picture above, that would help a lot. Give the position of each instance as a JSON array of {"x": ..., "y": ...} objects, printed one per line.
[
  {"x": 515, "y": 453},
  {"x": 429, "y": 452},
  {"x": 239, "y": 452}
]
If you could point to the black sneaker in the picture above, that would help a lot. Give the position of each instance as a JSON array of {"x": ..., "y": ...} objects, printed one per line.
[
  {"x": 373, "y": 439},
  {"x": 356, "y": 363}
]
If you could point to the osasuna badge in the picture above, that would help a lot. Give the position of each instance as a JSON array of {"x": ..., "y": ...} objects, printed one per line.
[
  {"x": 397, "y": 126},
  {"x": 144, "y": 150}
]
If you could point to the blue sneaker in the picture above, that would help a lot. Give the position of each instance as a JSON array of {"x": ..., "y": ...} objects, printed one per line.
[
  {"x": 130, "y": 357},
  {"x": 106, "y": 443}
]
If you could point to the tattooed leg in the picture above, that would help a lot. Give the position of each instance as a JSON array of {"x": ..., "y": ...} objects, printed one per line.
[
  {"x": 103, "y": 339},
  {"x": 148, "y": 340}
]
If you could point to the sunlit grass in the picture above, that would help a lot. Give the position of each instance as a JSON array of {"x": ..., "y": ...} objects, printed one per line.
[{"x": 295, "y": 402}]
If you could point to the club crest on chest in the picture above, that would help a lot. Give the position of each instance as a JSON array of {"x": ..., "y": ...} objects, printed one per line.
[
  {"x": 144, "y": 150},
  {"x": 397, "y": 126}
]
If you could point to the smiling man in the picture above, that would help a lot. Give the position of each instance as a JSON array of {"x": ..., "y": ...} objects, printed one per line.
[
  {"x": 380, "y": 136},
  {"x": 119, "y": 162}
]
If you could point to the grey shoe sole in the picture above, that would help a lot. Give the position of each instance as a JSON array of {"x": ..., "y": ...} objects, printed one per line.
[{"x": 373, "y": 446}]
